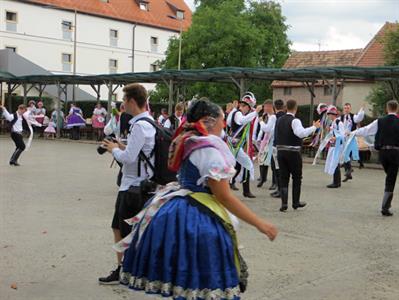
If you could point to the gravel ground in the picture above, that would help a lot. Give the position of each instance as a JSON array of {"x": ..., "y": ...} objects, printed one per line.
[{"x": 55, "y": 236}]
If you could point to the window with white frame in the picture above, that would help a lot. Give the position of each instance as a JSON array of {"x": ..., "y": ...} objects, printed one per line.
[
  {"x": 66, "y": 62},
  {"x": 11, "y": 21},
  {"x": 66, "y": 30},
  {"x": 113, "y": 66},
  {"x": 287, "y": 91},
  {"x": 154, "y": 44},
  {"x": 11, "y": 48},
  {"x": 179, "y": 14},
  {"x": 113, "y": 37},
  {"x": 143, "y": 5},
  {"x": 154, "y": 67}
]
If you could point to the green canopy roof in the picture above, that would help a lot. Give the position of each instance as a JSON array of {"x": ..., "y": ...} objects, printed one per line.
[{"x": 216, "y": 75}]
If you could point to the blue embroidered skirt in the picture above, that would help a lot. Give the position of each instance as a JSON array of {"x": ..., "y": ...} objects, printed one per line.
[{"x": 184, "y": 253}]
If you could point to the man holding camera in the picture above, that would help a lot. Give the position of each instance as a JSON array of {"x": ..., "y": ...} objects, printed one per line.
[{"x": 130, "y": 201}]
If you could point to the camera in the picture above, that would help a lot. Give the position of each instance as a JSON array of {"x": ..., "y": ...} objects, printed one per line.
[
  {"x": 101, "y": 149},
  {"x": 148, "y": 187}
]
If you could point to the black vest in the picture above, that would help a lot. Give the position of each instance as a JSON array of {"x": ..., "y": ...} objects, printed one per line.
[
  {"x": 278, "y": 116},
  {"x": 24, "y": 123},
  {"x": 351, "y": 116},
  {"x": 174, "y": 122},
  {"x": 388, "y": 132},
  {"x": 285, "y": 135},
  {"x": 234, "y": 126}
]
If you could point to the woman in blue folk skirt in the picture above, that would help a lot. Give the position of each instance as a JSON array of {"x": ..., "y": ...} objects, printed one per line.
[{"x": 183, "y": 244}]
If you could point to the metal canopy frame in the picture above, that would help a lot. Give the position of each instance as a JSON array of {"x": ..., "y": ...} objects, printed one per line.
[{"x": 238, "y": 76}]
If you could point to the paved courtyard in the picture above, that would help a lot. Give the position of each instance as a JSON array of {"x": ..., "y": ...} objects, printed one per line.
[{"x": 55, "y": 236}]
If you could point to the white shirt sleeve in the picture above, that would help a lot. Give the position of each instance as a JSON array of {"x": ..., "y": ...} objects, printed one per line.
[
  {"x": 299, "y": 131},
  {"x": 359, "y": 116},
  {"x": 167, "y": 124},
  {"x": 270, "y": 125},
  {"x": 135, "y": 143},
  {"x": 240, "y": 119},
  {"x": 210, "y": 164},
  {"x": 9, "y": 117},
  {"x": 370, "y": 129}
]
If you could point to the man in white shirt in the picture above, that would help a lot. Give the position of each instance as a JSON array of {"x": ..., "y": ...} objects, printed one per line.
[
  {"x": 386, "y": 131},
  {"x": 289, "y": 134},
  {"x": 237, "y": 123},
  {"x": 267, "y": 124},
  {"x": 350, "y": 122},
  {"x": 174, "y": 121},
  {"x": 140, "y": 139},
  {"x": 18, "y": 124},
  {"x": 163, "y": 117}
]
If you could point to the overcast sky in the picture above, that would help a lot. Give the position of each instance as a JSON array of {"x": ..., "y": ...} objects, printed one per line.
[{"x": 335, "y": 24}]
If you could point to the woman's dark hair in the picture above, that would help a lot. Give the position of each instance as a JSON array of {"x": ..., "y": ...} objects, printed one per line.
[{"x": 201, "y": 108}]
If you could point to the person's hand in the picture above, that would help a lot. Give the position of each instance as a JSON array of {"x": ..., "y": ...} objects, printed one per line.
[
  {"x": 110, "y": 145},
  {"x": 121, "y": 145},
  {"x": 333, "y": 139},
  {"x": 269, "y": 229},
  {"x": 316, "y": 124},
  {"x": 259, "y": 108}
]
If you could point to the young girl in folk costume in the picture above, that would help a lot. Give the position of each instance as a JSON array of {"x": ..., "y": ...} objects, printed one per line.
[
  {"x": 240, "y": 140},
  {"x": 98, "y": 120},
  {"x": 337, "y": 142},
  {"x": 40, "y": 113},
  {"x": 183, "y": 244},
  {"x": 75, "y": 120},
  {"x": 265, "y": 139},
  {"x": 113, "y": 126}
]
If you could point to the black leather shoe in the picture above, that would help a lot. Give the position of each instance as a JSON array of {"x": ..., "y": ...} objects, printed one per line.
[
  {"x": 249, "y": 195},
  {"x": 386, "y": 213},
  {"x": 348, "y": 177},
  {"x": 14, "y": 164},
  {"x": 333, "y": 186},
  {"x": 233, "y": 187},
  {"x": 273, "y": 187},
  {"x": 260, "y": 184},
  {"x": 283, "y": 208},
  {"x": 275, "y": 194},
  {"x": 299, "y": 205}
]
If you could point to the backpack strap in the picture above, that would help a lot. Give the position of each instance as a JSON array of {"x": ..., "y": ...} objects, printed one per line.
[{"x": 142, "y": 156}]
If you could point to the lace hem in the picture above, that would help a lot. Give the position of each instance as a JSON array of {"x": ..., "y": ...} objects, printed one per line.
[{"x": 169, "y": 290}]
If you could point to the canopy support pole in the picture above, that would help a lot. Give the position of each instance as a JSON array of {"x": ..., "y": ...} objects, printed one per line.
[
  {"x": 11, "y": 89},
  {"x": 170, "y": 102},
  {"x": 24, "y": 86},
  {"x": 242, "y": 87},
  {"x": 310, "y": 88},
  {"x": 59, "y": 111},
  {"x": 109, "y": 106}
]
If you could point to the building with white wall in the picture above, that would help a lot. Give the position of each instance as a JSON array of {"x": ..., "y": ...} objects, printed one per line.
[{"x": 112, "y": 36}]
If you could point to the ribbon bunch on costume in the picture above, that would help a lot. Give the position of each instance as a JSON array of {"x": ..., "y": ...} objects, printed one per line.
[
  {"x": 235, "y": 145},
  {"x": 177, "y": 148},
  {"x": 266, "y": 150}
]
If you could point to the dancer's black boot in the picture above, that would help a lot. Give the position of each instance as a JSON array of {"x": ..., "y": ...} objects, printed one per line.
[{"x": 386, "y": 204}]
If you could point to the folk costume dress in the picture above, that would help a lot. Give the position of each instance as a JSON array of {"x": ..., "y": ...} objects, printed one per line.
[
  {"x": 266, "y": 139},
  {"x": 75, "y": 118},
  {"x": 98, "y": 119},
  {"x": 336, "y": 149},
  {"x": 183, "y": 244}
]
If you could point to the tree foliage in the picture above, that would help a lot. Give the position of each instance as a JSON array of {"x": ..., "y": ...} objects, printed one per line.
[
  {"x": 228, "y": 33},
  {"x": 383, "y": 92}
]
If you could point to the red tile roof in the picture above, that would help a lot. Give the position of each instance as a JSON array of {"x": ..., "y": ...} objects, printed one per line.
[
  {"x": 371, "y": 56},
  {"x": 305, "y": 59},
  {"x": 129, "y": 11}
]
